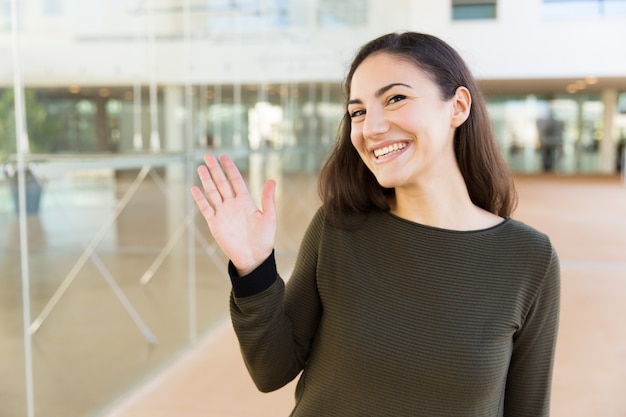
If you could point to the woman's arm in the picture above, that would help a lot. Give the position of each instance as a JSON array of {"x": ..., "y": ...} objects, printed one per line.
[
  {"x": 275, "y": 331},
  {"x": 276, "y": 323},
  {"x": 530, "y": 371}
]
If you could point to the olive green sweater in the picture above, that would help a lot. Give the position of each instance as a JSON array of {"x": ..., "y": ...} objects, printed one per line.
[{"x": 393, "y": 318}]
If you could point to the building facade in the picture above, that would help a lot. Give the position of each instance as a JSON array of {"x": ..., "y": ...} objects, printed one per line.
[{"x": 139, "y": 76}]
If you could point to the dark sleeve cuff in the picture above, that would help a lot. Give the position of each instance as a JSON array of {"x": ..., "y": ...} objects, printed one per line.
[{"x": 256, "y": 281}]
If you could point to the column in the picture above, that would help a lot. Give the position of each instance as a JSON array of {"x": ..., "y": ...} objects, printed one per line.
[
  {"x": 173, "y": 118},
  {"x": 606, "y": 163}
]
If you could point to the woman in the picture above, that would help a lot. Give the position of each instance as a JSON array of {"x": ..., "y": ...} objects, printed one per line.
[{"x": 414, "y": 292}]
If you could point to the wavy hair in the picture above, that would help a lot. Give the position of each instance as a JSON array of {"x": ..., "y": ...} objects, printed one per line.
[{"x": 347, "y": 186}]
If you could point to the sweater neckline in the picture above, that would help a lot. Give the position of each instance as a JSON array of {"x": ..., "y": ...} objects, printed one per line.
[{"x": 502, "y": 223}]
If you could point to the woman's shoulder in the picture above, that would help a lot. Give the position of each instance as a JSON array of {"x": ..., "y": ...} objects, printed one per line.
[
  {"x": 342, "y": 222},
  {"x": 529, "y": 241},
  {"x": 521, "y": 230}
]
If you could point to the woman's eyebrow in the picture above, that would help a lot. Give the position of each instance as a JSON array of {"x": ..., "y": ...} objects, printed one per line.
[{"x": 380, "y": 92}]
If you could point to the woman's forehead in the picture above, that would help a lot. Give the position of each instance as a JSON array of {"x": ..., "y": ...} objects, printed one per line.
[{"x": 381, "y": 69}]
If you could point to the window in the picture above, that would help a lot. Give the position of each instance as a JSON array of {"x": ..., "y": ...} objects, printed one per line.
[
  {"x": 473, "y": 9},
  {"x": 576, "y": 9},
  {"x": 238, "y": 16},
  {"x": 621, "y": 105},
  {"x": 5, "y": 15},
  {"x": 341, "y": 14},
  {"x": 52, "y": 7}
]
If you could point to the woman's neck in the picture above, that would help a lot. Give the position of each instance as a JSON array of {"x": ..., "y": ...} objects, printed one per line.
[{"x": 444, "y": 203}]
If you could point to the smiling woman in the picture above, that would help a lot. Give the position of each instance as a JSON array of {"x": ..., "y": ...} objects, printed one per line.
[
  {"x": 414, "y": 292},
  {"x": 404, "y": 131},
  {"x": 425, "y": 95}
]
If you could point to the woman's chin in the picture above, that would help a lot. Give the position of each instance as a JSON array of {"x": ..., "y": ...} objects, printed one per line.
[{"x": 387, "y": 182}]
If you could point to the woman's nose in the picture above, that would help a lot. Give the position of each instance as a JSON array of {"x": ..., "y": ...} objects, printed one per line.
[{"x": 374, "y": 123}]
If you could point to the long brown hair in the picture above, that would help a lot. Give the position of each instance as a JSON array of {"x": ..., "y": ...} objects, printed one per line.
[{"x": 347, "y": 186}]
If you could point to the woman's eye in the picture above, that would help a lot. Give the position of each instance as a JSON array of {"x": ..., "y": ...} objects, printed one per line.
[
  {"x": 396, "y": 98},
  {"x": 357, "y": 113}
]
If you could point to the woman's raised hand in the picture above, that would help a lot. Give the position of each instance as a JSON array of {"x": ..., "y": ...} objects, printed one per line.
[{"x": 245, "y": 233}]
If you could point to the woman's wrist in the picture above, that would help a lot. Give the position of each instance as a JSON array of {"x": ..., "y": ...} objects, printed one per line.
[
  {"x": 259, "y": 279},
  {"x": 245, "y": 268}
]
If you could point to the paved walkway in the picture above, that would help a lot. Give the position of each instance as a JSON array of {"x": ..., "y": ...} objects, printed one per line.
[{"x": 585, "y": 218}]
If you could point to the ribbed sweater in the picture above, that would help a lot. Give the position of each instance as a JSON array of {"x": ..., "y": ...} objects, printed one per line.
[{"x": 394, "y": 318}]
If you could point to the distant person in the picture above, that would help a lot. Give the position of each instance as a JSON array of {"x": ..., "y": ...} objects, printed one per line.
[
  {"x": 210, "y": 141},
  {"x": 550, "y": 140},
  {"x": 414, "y": 292},
  {"x": 620, "y": 153}
]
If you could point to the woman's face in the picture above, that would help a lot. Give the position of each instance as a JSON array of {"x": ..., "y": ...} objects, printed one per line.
[{"x": 401, "y": 127}]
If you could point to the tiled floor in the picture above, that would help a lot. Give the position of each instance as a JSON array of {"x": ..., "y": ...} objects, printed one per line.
[{"x": 586, "y": 219}]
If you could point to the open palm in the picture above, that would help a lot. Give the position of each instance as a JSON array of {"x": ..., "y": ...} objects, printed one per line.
[{"x": 245, "y": 233}]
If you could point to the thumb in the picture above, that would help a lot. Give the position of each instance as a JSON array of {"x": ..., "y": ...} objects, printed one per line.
[{"x": 268, "y": 202}]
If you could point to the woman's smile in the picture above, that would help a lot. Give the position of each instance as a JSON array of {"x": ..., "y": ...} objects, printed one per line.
[{"x": 384, "y": 153}]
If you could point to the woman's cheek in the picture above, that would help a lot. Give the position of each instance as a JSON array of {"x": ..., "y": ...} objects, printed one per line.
[{"x": 356, "y": 138}]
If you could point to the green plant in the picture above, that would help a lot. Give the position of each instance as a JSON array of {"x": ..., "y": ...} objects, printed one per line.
[{"x": 42, "y": 129}]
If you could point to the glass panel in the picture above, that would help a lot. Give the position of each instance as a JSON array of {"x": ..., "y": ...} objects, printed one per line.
[
  {"x": 548, "y": 134},
  {"x": 620, "y": 133},
  {"x": 7, "y": 123},
  {"x": 90, "y": 340},
  {"x": 513, "y": 120},
  {"x": 264, "y": 121}
]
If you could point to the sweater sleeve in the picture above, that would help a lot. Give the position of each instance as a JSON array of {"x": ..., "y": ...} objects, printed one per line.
[
  {"x": 275, "y": 322},
  {"x": 530, "y": 372}
]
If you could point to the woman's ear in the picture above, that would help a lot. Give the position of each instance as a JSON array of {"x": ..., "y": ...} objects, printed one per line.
[{"x": 461, "y": 104}]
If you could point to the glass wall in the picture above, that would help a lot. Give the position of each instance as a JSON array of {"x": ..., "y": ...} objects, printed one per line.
[
  {"x": 108, "y": 250},
  {"x": 550, "y": 134},
  {"x": 288, "y": 117},
  {"x": 108, "y": 272}
]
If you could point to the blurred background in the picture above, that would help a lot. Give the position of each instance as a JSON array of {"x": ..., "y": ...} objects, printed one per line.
[{"x": 107, "y": 273}]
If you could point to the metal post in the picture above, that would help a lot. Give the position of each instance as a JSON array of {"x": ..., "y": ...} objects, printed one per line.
[
  {"x": 189, "y": 175},
  {"x": 22, "y": 149},
  {"x": 155, "y": 140}
]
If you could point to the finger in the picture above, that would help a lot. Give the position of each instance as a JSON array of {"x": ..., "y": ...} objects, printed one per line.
[
  {"x": 219, "y": 180},
  {"x": 202, "y": 203},
  {"x": 234, "y": 176},
  {"x": 210, "y": 191}
]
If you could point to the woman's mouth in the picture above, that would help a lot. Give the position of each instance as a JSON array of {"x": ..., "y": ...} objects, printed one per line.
[{"x": 387, "y": 150}]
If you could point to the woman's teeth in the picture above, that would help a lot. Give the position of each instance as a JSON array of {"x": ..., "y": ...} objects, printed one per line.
[{"x": 389, "y": 149}]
